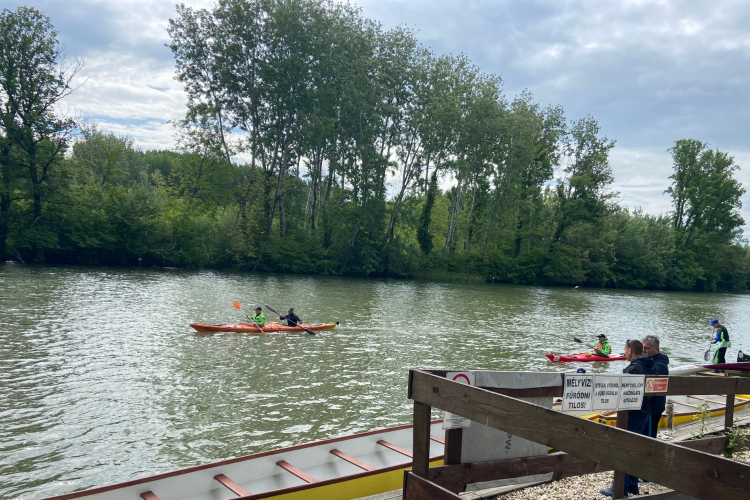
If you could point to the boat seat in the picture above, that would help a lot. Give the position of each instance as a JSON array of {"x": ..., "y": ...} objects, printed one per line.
[
  {"x": 352, "y": 460},
  {"x": 294, "y": 470},
  {"x": 437, "y": 439},
  {"x": 231, "y": 485},
  {"x": 149, "y": 495},
  {"x": 395, "y": 448}
]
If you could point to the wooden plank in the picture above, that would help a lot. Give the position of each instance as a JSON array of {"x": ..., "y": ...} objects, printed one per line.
[
  {"x": 562, "y": 465},
  {"x": 149, "y": 495},
  {"x": 677, "y": 467},
  {"x": 456, "y": 477},
  {"x": 437, "y": 439},
  {"x": 417, "y": 488},
  {"x": 534, "y": 392},
  {"x": 667, "y": 495},
  {"x": 232, "y": 486},
  {"x": 618, "y": 485},
  {"x": 420, "y": 440},
  {"x": 685, "y": 386},
  {"x": 352, "y": 460},
  {"x": 294, "y": 470},
  {"x": 729, "y": 411},
  {"x": 395, "y": 448},
  {"x": 453, "y": 440}
]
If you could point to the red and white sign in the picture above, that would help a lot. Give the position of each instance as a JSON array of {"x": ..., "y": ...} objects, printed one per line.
[
  {"x": 451, "y": 421},
  {"x": 657, "y": 384}
]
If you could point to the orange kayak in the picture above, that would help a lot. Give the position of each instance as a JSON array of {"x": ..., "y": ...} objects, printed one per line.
[{"x": 267, "y": 328}]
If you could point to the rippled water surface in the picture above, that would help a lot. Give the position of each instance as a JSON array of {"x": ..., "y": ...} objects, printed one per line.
[{"x": 102, "y": 380}]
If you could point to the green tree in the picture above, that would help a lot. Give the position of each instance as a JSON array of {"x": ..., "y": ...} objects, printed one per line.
[
  {"x": 423, "y": 232},
  {"x": 34, "y": 78}
]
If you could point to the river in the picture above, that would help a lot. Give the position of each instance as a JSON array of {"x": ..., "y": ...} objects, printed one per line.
[{"x": 102, "y": 380}]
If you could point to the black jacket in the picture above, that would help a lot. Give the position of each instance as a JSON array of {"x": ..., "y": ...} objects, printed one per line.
[
  {"x": 292, "y": 319},
  {"x": 661, "y": 367},
  {"x": 642, "y": 365}
]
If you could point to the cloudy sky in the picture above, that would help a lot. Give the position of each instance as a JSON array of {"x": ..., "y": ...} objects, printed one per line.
[{"x": 651, "y": 72}]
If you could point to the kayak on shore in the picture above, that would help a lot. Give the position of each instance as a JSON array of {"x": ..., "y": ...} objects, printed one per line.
[
  {"x": 585, "y": 357},
  {"x": 267, "y": 328}
]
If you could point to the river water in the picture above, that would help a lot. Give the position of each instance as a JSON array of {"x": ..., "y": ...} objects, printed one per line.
[{"x": 102, "y": 380}]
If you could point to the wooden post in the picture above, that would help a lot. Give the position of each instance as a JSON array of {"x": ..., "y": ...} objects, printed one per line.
[
  {"x": 729, "y": 411},
  {"x": 453, "y": 440},
  {"x": 421, "y": 439},
  {"x": 619, "y": 481}
]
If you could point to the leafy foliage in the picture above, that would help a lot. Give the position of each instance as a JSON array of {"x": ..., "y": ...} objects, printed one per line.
[{"x": 317, "y": 142}]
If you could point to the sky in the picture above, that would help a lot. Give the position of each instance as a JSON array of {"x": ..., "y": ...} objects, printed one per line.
[{"x": 651, "y": 72}]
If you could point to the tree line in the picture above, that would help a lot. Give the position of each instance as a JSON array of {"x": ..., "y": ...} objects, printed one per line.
[{"x": 315, "y": 141}]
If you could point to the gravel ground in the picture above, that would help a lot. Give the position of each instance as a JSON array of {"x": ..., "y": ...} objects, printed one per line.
[
  {"x": 574, "y": 488},
  {"x": 585, "y": 487}
]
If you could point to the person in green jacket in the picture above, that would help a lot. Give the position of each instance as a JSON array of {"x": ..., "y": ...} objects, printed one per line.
[
  {"x": 602, "y": 347},
  {"x": 259, "y": 317}
]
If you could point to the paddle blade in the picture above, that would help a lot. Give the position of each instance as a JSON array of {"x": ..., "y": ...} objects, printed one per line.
[
  {"x": 270, "y": 308},
  {"x": 577, "y": 340},
  {"x": 707, "y": 355},
  {"x": 236, "y": 305}
]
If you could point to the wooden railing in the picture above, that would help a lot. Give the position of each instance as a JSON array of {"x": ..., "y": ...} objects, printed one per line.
[{"x": 689, "y": 468}]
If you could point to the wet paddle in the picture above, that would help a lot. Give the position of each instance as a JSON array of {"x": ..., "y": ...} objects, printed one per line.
[
  {"x": 280, "y": 316},
  {"x": 236, "y": 305},
  {"x": 707, "y": 354}
]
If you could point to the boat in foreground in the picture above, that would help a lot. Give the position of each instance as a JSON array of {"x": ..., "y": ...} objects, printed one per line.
[
  {"x": 585, "y": 357},
  {"x": 267, "y": 328},
  {"x": 686, "y": 409},
  {"x": 334, "y": 469}
]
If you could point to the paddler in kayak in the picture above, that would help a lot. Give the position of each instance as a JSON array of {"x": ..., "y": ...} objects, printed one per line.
[
  {"x": 291, "y": 318},
  {"x": 602, "y": 348},
  {"x": 259, "y": 318}
]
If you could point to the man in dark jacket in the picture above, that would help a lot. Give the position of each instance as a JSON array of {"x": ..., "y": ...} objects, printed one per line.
[
  {"x": 640, "y": 364},
  {"x": 291, "y": 318},
  {"x": 661, "y": 367}
]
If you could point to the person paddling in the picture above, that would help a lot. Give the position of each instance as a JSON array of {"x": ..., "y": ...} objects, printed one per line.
[
  {"x": 291, "y": 318},
  {"x": 722, "y": 343},
  {"x": 259, "y": 317},
  {"x": 602, "y": 348}
]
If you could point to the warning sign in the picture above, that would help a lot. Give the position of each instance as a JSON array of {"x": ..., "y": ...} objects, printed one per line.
[
  {"x": 578, "y": 392},
  {"x": 657, "y": 385},
  {"x": 632, "y": 388},
  {"x": 606, "y": 392},
  {"x": 451, "y": 421}
]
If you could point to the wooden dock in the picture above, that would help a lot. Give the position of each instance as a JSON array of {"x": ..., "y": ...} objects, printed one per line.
[{"x": 681, "y": 433}]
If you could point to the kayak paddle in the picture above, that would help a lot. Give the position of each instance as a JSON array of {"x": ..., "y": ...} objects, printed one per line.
[
  {"x": 236, "y": 305},
  {"x": 299, "y": 325},
  {"x": 707, "y": 354}
]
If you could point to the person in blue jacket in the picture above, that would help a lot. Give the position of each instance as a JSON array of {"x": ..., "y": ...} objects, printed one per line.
[
  {"x": 722, "y": 342},
  {"x": 640, "y": 364},
  {"x": 661, "y": 367}
]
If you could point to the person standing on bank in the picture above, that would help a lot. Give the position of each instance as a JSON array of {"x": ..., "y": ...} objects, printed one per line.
[
  {"x": 640, "y": 364},
  {"x": 291, "y": 318},
  {"x": 661, "y": 367},
  {"x": 722, "y": 342}
]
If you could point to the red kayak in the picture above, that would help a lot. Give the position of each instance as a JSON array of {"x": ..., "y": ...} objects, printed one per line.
[
  {"x": 743, "y": 366},
  {"x": 585, "y": 357},
  {"x": 267, "y": 328}
]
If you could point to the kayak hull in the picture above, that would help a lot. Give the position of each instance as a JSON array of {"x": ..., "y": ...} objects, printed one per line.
[
  {"x": 582, "y": 357},
  {"x": 743, "y": 366},
  {"x": 267, "y": 328}
]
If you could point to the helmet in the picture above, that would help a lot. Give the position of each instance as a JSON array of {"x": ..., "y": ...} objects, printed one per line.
[{"x": 581, "y": 370}]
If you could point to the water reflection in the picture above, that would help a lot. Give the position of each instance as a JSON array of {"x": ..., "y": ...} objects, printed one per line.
[{"x": 102, "y": 380}]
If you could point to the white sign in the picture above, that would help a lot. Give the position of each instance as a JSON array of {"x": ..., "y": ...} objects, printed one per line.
[
  {"x": 451, "y": 421},
  {"x": 606, "y": 392},
  {"x": 578, "y": 392},
  {"x": 632, "y": 388}
]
